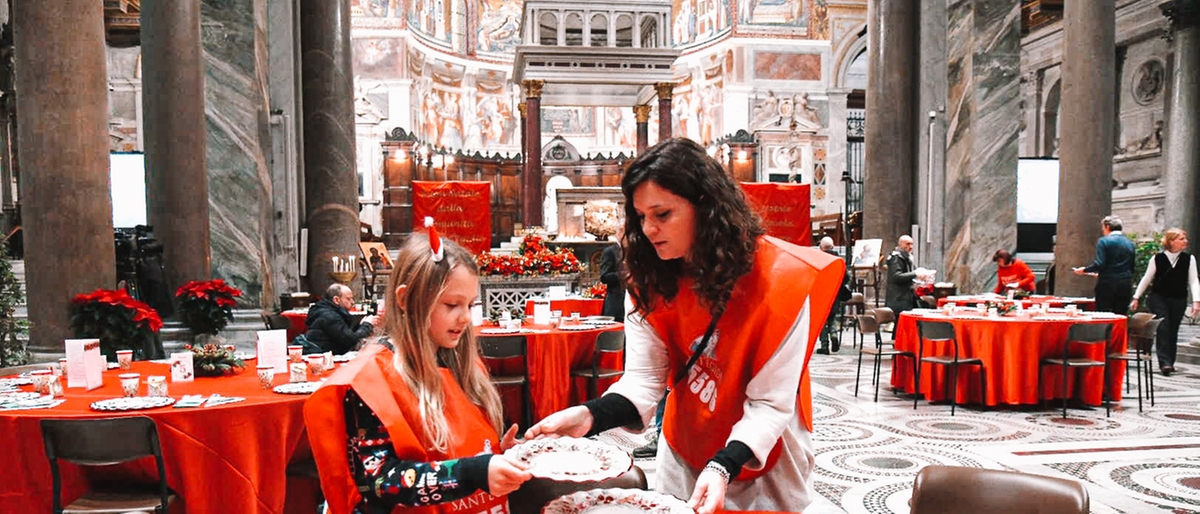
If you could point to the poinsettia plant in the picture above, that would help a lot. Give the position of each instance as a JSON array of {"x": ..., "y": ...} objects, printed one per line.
[
  {"x": 117, "y": 319},
  {"x": 532, "y": 258},
  {"x": 206, "y": 306},
  {"x": 598, "y": 290}
]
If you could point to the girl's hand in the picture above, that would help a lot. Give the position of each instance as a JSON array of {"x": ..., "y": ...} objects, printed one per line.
[
  {"x": 505, "y": 475},
  {"x": 572, "y": 422},
  {"x": 709, "y": 494},
  {"x": 509, "y": 439}
]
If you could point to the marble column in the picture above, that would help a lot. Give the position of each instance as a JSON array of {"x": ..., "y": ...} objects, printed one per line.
[
  {"x": 891, "y": 94},
  {"x": 835, "y": 160},
  {"x": 665, "y": 90},
  {"x": 176, "y": 138},
  {"x": 531, "y": 179},
  {"x": 1182, "y": 137},
  {"x": 331, "y": 181},
  {"x": 63, "y": 141},
  {"x": 641, "y": 114},
  {"x": 1086, "y": 164},
  {"x": 524, "y": 144}
]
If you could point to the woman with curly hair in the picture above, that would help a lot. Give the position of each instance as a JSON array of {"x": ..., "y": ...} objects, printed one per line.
[{"x": 725, "y": 318}]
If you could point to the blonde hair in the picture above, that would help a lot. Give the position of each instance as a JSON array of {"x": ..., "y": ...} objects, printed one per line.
[
  {"x": 417, "y": 356},
  {"x": 1171, "y": 235}
]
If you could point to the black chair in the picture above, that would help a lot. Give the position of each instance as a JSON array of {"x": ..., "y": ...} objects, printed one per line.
[
  {"x": 962, "y": 490},
  {"x": 537, "y": 492},
  {"x": 944, "y": 331},
  {"x": 868, "y": 326},
  {"x": 1085, "y": 334},
  {"x": 495, "y": 350},
  {"x": 607, "y": 343},
  {"x": 276, "y": 321},
  {"x": 102, "y": 442},
  {"x": 851, "y": 309},
  {"x": 1142, "y": 329}
]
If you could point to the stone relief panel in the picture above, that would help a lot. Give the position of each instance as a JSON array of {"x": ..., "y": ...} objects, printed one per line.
[
  {"x": 1137, "y": 151},
  {"x": 568, "y": 121},
  {"x": 786, "y": 112},
  {"x": 698, "y": 102},
  {"x": 698, "y": 21},
  {"x": 499, "y": 27}
]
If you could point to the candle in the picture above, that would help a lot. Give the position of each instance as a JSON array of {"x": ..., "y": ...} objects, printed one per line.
[{"x": 335, "y": 263}]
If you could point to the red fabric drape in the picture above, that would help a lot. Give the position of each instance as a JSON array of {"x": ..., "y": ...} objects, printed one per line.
[
  {"x": 461, "y": 211},
  {"x": 784, "y": 209}
]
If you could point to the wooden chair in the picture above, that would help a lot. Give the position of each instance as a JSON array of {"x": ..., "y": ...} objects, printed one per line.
[
  {"x": 103, "y": 442},
  {"x": 855, "y": 306},
  {"x": 1085, "y": 334},
  {"x": 276, "y": 321},
  {"x": 607, "y": 343},
  {"x": 944, "y": 331},
  {"x": 885, "y": 315},
  {"x": 961, "y": 490},
  {"x": 868, "y": 326},
  {"x": 1143, "y": 327},
  {"x": 494, "y": 350},
  {"x": 537, "y": 492}
]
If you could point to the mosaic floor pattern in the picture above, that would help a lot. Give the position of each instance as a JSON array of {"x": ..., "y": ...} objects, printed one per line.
[{"x": 868, "y": 453}]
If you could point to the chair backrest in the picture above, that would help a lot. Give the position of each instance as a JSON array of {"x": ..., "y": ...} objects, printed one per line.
[
  {"x": 857, "y": 299},
  {"x": 502, "y": 347},
  {"x": 929, "y": 300},
  {"x": 537, "y": 492},
  {"x": 952, "y": 490},
  {"x": 1142, "y": 341},
  {"x": 1138, "y": 321},
  {"x": 884, "y": 315},
  {"x": 278, "y": 322},
  {"x": 101, "y": 442},
  {"x": 607, "y": 342},
  {"x": 26, "y": 368},
  {"x": 935, "y": 330},
  {"x": 867, "y": 324},
  {"x": 1090, "y": 333}
]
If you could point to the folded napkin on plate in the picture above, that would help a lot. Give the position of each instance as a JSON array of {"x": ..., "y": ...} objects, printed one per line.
[{"x": 217, "y": 399}]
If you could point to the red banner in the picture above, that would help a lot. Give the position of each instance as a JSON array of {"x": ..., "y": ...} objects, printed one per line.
[
  {"x": 461, "y": 211},
  {"x": 784, "y": 209}
]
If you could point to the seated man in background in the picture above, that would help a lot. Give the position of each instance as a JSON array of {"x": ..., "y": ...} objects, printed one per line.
[
  {"x": 330, "y": 324},
  {"x": 1012, "y": 273}
]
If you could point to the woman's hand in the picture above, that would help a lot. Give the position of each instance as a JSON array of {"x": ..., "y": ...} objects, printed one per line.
[
  {"x": 505, "y": 475},
  {"x": 709, "y": 494},
  {"x": 509, "y": 439},
  {"x": 573, "y": 422},
  {"x": 1133, "y": 305}
]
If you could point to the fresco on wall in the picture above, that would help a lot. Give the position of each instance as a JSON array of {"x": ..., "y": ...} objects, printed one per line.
[
  {"x": 697, "y": 21},
  {"x": 375, "y": 8},
  {"x": 494, "y": 123},
  {"x": 499, "y": 25},
  {"x": 792, "y": 13},
  {"x": 377, "y": 58},
  {"x": 439, "y": 114},
  {"x": 621, "y": 126},
  {"x": 431, "y": 18},
  {"x": 568, "y": 121}
]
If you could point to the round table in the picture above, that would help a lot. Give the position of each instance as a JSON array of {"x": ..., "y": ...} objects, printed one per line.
[
  {"x": 226, "y": 458},
  {"x": 584, "y": 306},
  {"x": 1087, "y": 304}
]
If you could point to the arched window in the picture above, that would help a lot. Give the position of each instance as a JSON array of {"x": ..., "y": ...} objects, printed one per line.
[
  {"x": 574, "y": 29},
  {"x": 649, "y": 31},
  {"x": 624, "y": 28},
  {"x": 1050, "y": 120},
  {"x": 548, "y": 29},
  {"x": 599, "y": 30}
]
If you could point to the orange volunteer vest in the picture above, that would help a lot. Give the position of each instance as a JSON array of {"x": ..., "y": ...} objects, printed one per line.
[
  {"x": 380, "y": 386},
  {"x": 704, "y": 406}
]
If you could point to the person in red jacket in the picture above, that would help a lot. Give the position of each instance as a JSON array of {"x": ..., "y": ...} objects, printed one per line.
[
  {"x": 1012, "y": 273},
  {"x": 412, "y": 424}
]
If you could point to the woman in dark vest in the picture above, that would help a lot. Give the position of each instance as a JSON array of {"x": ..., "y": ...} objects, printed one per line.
[{"x": 1170, "y": 275}]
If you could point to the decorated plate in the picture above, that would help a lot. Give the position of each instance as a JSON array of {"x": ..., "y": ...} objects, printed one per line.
[
  {"x": 17, "y": 381},
  {"x": 18, "y": 396},
  {"x": 577, "y": 327},
  {"x": 616, "y": 501},
  {"x": 345, "y": 357},
  {"x": 572, "y": 459},
  {"x": 600, "y": 322},
  {"x": 134, "y": 403},
  {"x": 298, "y": 388},
  {"x": 494, "y": 331}
]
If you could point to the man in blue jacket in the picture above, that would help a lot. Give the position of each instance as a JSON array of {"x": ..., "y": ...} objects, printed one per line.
[{"x": 1113, "y": 268}]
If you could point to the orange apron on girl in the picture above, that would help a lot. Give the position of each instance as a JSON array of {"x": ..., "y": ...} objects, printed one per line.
[
  {"x": 380, "y": 386},
  {"x": 702, "y": 409}
]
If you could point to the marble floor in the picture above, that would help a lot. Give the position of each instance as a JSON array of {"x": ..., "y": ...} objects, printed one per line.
[{"x": 868, "y": 453}]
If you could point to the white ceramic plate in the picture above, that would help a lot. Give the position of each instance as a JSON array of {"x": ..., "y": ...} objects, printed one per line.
[
  {"x": 134, "y": 403},
  {"x": 345, "y": 357},
  {"x": 494, "y": 331},
  {"x": 577, "y": 327},
  {"x": 600, "y": 322},
  {"x": 572, "y": 459},
  {"x": 616, "y": 501},
  {"x": 17, "y": 381},
  {"x": 297, "y": 388}
]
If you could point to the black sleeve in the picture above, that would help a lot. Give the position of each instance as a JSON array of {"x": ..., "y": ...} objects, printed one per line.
[
  {"x": 341, "y": 338},
  {"x": 609, "y": 267},
  {"x": 611, "y": 411},
  {"x": 385, "y": 481},
  {"x": 733, "y": 457},
  {"x": 894, "y": 274}
]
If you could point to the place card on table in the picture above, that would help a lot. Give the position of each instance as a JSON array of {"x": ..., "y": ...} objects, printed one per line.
[
  {"x": 182, "y": 367},
  {"x": 85, "y": 363},
  {"x": 541, "y": 312},
  {"x": 556, "y": 292},
  {"x": 272, "y": 349}
]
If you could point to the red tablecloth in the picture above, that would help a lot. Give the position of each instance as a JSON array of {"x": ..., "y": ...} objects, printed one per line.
[
  {"x": 1011, "y": 349},
  {"x": 1087, "y": 304},
  {"x": 584, "y": 306},
  {"x": 552, "y": 354},
  {"x": 228, "y": 458}
]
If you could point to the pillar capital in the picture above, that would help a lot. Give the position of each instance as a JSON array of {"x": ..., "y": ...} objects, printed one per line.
[
  {"x": 664, "y": 89},
  {"x": 1182, "y": 14},
  {"x": 641, "y": 113},
  {"x": 533, "y": 88},
  {"x": 521, "y": 107}
]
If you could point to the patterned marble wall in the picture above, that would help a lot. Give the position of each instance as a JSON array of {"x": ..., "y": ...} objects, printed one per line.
[
  {"x": 983, "y": 107},
  {"x": 236, "y": 107}
]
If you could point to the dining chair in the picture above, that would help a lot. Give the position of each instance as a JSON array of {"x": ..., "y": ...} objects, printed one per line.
[
  {"x": 963, "y": 490},
  {"x": 885, "y": 315},
  {"x": 103, "y": 442},
  {"x": 1080, "y": 334},
  {"x": 610, "y": 342},
  {"x": 495, "y": 350},
  {"x": 943, "y": 331},
  {"x": 537, "y": 492},
  {"x": 276, "y": 321},
  {"x": 1141, "y": 342},
  {"x": 869, "y": 326},
  {"x": 929, "y": 301}
]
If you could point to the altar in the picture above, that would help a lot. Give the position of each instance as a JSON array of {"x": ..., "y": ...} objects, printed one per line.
[{"x": 511, "y": 292}]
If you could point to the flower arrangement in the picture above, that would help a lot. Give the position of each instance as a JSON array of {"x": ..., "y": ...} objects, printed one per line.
[
  {"x": 533, "y": 258},
  {"x": 1002, "y": 307},
  {"x": 117, "y": 319},
  {"x": 205, "y": 307},
  {"x": 601, "y": 218},
  {"x": 496, "y": 312},
  {"x": 597, "y": 290},
  {"x": 211, "y": 360}
]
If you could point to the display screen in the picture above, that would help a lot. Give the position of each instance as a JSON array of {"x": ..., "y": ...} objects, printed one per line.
[
  {"x": 1037, "y": 191},
  {"x": 127, "y": 171}
]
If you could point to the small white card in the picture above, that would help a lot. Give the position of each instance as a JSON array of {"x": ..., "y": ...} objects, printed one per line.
[
  {"x": 272, "y": 349},
  {"x": 541, "y": 312},
  {"x": 476, "y": 314},
  {"x": 182, "y": 367},
  {"x": 557, "y": 292},
  {"x": 85, "y": 363}
]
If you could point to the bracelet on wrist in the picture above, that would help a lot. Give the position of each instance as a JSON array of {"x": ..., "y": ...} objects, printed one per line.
[{"x": 718, "y": 469}]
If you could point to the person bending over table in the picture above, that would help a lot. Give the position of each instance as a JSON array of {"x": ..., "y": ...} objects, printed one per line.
[
  {"x": 1113, "y": 268},
  {"x": 416, "y": 421},
  {"x": 1170, "y": 275},
  {"x": 1012, "y": 273},
  {"x": 329, "y": 323},
  {"x": 724, "y": 317}
]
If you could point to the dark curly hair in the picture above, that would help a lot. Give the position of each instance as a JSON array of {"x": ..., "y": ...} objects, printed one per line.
[{"x": 727, "y": 229}]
